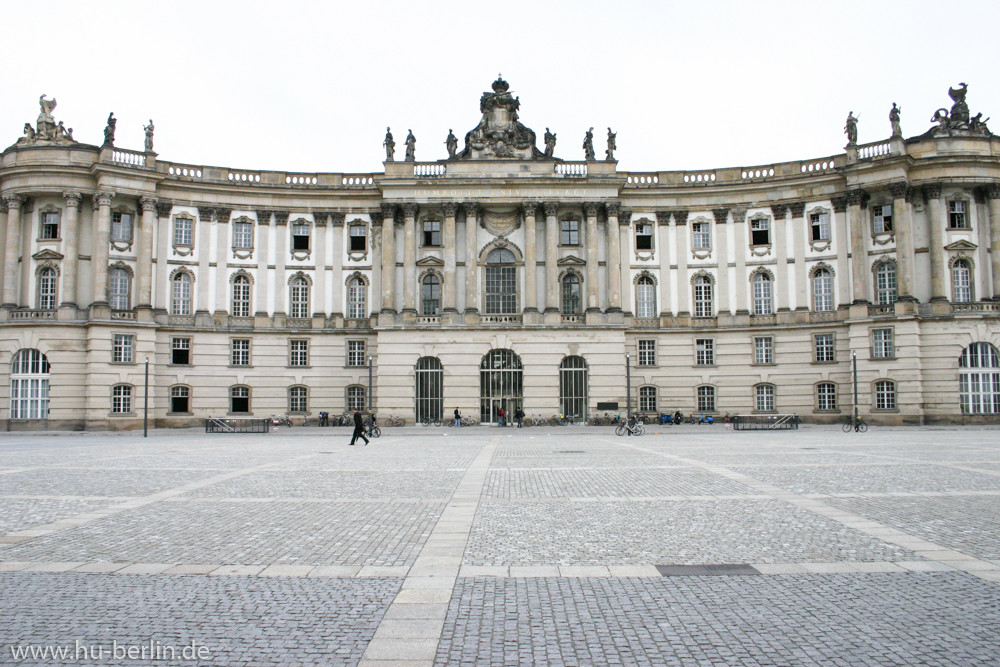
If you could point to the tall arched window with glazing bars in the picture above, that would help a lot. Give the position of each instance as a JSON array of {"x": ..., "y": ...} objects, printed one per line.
[
  {"x": 29, "y": 385},
  {"x": 645, "y": 297},
  {"x": 501, "y": 283},
  {"x": 573, "y": 387},
  {"x": 979, "y": 380},
  {"x": 430, "y": 389}
]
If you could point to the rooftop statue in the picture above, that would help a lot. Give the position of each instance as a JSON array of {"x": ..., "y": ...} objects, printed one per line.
[
  {"x": 47, "y": 131},
  {"x": 588, "y": 146},
  {"x": 148, "y": 129},
  {"x": 411, "y": 147},
  {"x": 851, "y": 129},
  {"x": 451, "y": 143},
  {"x": 612, "y": 145},
  {"x": 897, "y": 130},
  {"x": 109, "y": 130},
  {"x": 550, "y": 143},
  {"x": 958, "y": 121},
  {"x": 390, "y": 145},
  {"x": 499, "y": 134}
]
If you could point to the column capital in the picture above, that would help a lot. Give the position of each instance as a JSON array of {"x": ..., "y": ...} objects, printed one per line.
[
  {"x": 223, "y": 214},
  {"x": 376, "y": 217},
  {"x": 932, "y": 191},
  {"x": 551, "y": 209},
  {"x": 663, "y": 217},
  {"x": 612, "y": 209},
  {"x": 898, "y": 190},
  {"x": 14, "y": 201},
  {"x": 779, "y": 211},
  {"x": 993, "y": 190},
  {"x": 739, "y": 214},
  {"x": 337, "y": 218},
  {"x": 410, "y": 210},
  {"x": 449, "y": 208},
  {"x": 388, "y": 210},
  {"x": 206, "y": 212},
  {"x": 163, "y": 208},
  {"x": 320, "y": 217},
  {"x": 856, "y": 197},
  {"x": 72, "y": 199},
  {"x": 591, "y": 208},
  {"x": 471, "y": 209},
  {"x": 103, "y": 198},
  {"x": 798, "y": 209},
  {"x": 529, "y": 208},
  {"x": 839, "y": 204},
  {"x": 625, "y": 217},
  {"x": 263, "y": 216},
  {"x": 681, "y": 216},
  {"x": 721, "y": 215},
  {"x": 281, "y": 217}
]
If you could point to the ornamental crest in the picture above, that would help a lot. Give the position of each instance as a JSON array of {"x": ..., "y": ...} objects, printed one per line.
[
  {"x": 499, "y": 134},
  {"x": 47, "y": 131},
  {"x": 500, "y": 223}
]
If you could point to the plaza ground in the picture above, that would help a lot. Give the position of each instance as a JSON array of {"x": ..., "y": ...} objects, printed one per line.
[{"x": 690, "y": 545}]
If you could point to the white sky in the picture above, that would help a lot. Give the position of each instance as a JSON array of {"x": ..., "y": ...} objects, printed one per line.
[{"x": 311, "y": 86}]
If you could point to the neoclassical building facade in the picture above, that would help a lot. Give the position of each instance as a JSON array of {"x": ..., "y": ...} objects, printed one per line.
[{"x": 500, "y": 276}]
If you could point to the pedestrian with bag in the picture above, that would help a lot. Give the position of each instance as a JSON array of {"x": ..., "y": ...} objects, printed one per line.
[
  {"x": 519, "y": 416},
  {"x": 502, "y": 421},
  {"x": 458, "y": 418},
  {"x": 359, "y": 428}
]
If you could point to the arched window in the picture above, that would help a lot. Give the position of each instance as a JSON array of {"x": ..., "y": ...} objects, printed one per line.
[
  {"x": 239, "y": 400},
  {"x": 430, "y": 389},
  {"x": 822, "y": 284},
  {"x": 763, "y": 301},
  {"x": 47, "y": 289},
  {"x": 430, "y": 295},
  {"x": 500, "y": 384},
  {"x": 764, "y": 397},
  {"x": 241, "y": 304},
  {"x": 961, "y": 281},
  {"x": 357, "y": 298},
  {"x": 298, "y": 297},
  {"x": 356, "y": 395},
  {"x": 885, "y": 395},
  {"x": 706, "y": 398},
  {"x": 180, "y": 399},
  {"x": 573, "y": 387},
  {"x": 979, "y": 380},
  {"x": 571, "y": 294},
  {"x": 119, "y": 289},
  {"x": 885, "y": 284},
  {"x": 298, "y": 399},
  {"x": 826, "y": 396},
  {"x": 121, "y": 399},
  {"x": 501, "y": 283},
  {"x": 704, "y": 305},
  {"x": 180, "y": 294},
  {"x": 645, "y": 297},
  {"x": 29, "y": 385},
  {"x": 647, "y": 399}
]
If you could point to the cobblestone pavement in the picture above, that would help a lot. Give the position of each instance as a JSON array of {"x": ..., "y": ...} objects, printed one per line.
[{"x": 502, "y": 546}]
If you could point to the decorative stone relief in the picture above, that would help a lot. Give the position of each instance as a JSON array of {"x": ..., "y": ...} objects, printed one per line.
[
  {"x": 499, "y": 134},
  {"x": 47, "y": 132},
  {"x": 500, "y": 223}
]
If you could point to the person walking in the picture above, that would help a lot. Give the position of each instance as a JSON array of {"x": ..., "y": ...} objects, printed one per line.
[
  {"x": 458, "y": 418},
  {"x": 519, "y": 416},
  {"x": 502, "y": 421},
  {"x": 359, "y": 428}
]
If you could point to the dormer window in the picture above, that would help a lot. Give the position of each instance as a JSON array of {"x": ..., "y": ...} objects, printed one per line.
[
  {"x": 882, "y": 218},
  {"x": 760, "y": 231},
  {"x": 820, "y": 224},
  {"x": 644, "y": 236},
  {"x": 957, "y": 216},
  {"x": 50, "y": 226},
  {"x": 300, "y": 235},
  {"x": 359, "y": 238}
]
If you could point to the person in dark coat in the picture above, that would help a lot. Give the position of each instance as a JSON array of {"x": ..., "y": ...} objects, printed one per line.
[{"x": 359, "y": 428}]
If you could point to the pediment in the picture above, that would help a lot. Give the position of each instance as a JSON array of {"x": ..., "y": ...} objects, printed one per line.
[
  {"x": 961, "y": 245},
  {"x": 47, "y": 254},
  {"x": 571, "y": 261},
  {"x": 430, "y": 261}
]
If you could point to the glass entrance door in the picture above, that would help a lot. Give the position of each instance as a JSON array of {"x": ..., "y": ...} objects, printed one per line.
[{"x": 500, "y": 385}]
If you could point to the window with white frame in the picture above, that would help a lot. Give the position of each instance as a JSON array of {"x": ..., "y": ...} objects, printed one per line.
[
  {"x": 121, "y": 227},
  {"x": 764, "y": 398},
  {"x": 645, "y": 297},
  {"x": 298, "y": 399},
  {"x": 180, "y": 351},
  {"x": 298, "y": 297},
  {"x": 571, "y": 299},
  {"x": 700, "y": 236},
  {"x": 298, "y": 353},
  {"x": 979, "y": 380},
  {"x": 123, "y": 349},
  {"x": 49, "y": 229},
  {"x": 760, "y": 231},
  {"x": 300, "y": 235},
  {"x": 647, "y": 352},
  {"x": 822, "y": 284},
  {"x": 121, "y": 399},
  {"x": 180, "y": 294},
  {"x": 430, "y": 295},
  {"x": 819, "y": 222},
  {"x": 120, "y": 289},
  {"x": 885, "y": 395},
  {"x": 357, "y": 298},
  {"x": 239, "y": 352},
  {"x": 356, "y": 398},
  {"x": 826, "y": 397},
  {"x": 647, "y": 399},
  {"x": 704, "y": 351},
  {"x": 242, "y": 235},
  {"x": 823, "y": 344},
  {"x": 763, "y": 350},
  {"x": 882, "y": 218},
  {"x": 957, "y": 215},
  {"x": 29, "y": 385},
  {"x": 501, "y": 282},
  {"x": 882, "y": 344},
  {"x": 356, "y": 353},
  {"x": 706, "y": 398},
  {"x": 961, "y": 281},
  {"x": 763, "y": 299},
  {"x": 47, "y": 278},
  {"x": 885, "y": 284},
  {"x": 704, "y": 305},
  {"x": 180, "y": 399},
  {"x": 358, "y": 238},
  {"x": 239, "y": 400},
  {"x": 644, "y": 236},
  {"x": 183, "y": 232},
  {"x": 241, "y": 304}
]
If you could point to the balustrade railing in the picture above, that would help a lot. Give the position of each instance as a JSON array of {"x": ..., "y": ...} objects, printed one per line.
[
  {"x": 432, "y": 170},
  {"x": 876, "y": 150},
  {"x": 976, "y": 307},
  {"x": 881, "y": 310},
  {"x": 128, "y": 158},
  {"x": 572, "y": 169},
  {"x": 500, "y": 319},
  {"x": 32, "y": 314},
  {"x": 123, "y": 315}
]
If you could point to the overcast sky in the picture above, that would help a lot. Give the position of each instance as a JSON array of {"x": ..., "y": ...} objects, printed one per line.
[{"x": 311, "y": 86}]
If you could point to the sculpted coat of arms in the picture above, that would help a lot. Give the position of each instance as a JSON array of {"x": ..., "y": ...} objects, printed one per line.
[{"x": 499, "y": 134}]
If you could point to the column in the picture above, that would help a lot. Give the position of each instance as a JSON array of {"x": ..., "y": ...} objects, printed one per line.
[
  {"x": 320, "y": 261},
  {"x": 663, "y": 252},
  {"x": 612, "y": 209},
  {"x": 842, "y": 238},
  {"x": 935, "y": 225},
  {"x": 71, "y": 232},
  {"x": 622, "y": 234},
  {"x": 721, "y": 216},
  {"x": 741, "y": 243},
  {"x": 223, "y": 246},
  {"x": 102, "y": 238},
  {"x": 993, "y": 192},
  {"x": 410, "y": 258},
  {"x": 144, "y": 253},
  {"x": 780, "y": 245},
  {"x": 280, "y": 285},
  {"x": 799, "y": 231},
  {"x": 261, "y": 247},
  {"x": 471, "y": 256},
  {"x": 202, "y": 280},
  {"x": 163, "y": 209},
  {"x": 856, "y": 200},
  {"x": 683, "y": 279},
  {"x": 337, "y": 254},
  {"x": 551, "y": 257},
  {"x": 593, "y": 300},
  {"x": 388, "y": 257},
  {"x": 530, "y": 260},
  {"x": 903, "y": 224},
  {"x": 12, "y": 249},
  {"x": 450, "y": 252}
]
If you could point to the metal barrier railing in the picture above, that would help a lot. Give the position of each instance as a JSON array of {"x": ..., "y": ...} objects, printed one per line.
[
  {"x": 237, "y": 425},
  {"x": 765, "y": 422}
]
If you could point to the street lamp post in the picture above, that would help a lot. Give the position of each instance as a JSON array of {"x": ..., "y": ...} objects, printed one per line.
[
  {"x": 628, "y": 386},
  {"x": 371, "y": 397},
  {"x": 145, "y": 402},
  {"x": 854, "y": 363}
]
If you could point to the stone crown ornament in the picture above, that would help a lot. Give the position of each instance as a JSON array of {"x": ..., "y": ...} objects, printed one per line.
[{"x": 499, "y": 135}]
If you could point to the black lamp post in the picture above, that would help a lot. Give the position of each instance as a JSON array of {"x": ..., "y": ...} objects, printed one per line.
[
  {"x": 628, "y": 385},
  {"x": 145, "y": 402}
]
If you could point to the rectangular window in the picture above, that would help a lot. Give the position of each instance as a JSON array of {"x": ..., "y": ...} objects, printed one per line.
[
  {"x": 50, "y": 226},
  {"x": 957, "y": 218},
  {"x": 823, "y": 344},
  {"x": 298, "y": 353},
  {"x": 123, "y": 349},
  {"x": 644, "y": 236},
  {"x": 121, "y": 399},
  {"x": 432, "y": 233},
  {"x": 760, "y": 231},
  {"x": 826, "y": 396},
  {"x": 180, "y": 351},
  {"x": 300, "y": 236},
  {"x": 359, "y": 238},
  {"x": 356, "y": 353},
  {"x": 700, "y": 239},
  {"x": 242, "y": 235},
  {"x": 885, "y": 395},
  {"x": 121, "y": 227},
  {"x": 882, "y": 218},
  {"x": 882, "y": 344},
  {"x": 180, "y": 399},
  {"x": 704, "y": 351},
  {"x": 764, "y": 398},
  {"x": 569, "y": 232},
  {"x": 763, "y": 350},
  {"x": 647, "y": 352},
  {"x": 183, "y": 232},
  {"x": 240, "y": 352},
  {"x": 820, "y": 223},
  {"x": 298, "y": 399},
  {"x": 706, "y": 399}
]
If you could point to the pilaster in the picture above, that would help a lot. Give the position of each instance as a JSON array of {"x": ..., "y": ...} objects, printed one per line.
[
  {"x": 903, "y": 219},
  {"x": 388, "y": 258},
  {"x": 993, "y": 194},
  {"x": 856, "y": 202},
  {"x": 410, "y": 258},
  {"x": 71, "y": 234},
  {"x": 530, "y": 263},
  {"x": 450, "y": 252},
  {"x": 935, "y": 225},
  {"x": 12, "y": 250},
  {"x": 102, "y": 239},
  {"x": 614, "y": 263},
  {"x": 471, "y": 257},
  {"x": 593, "y": 303},
  {"x": 551, "y": 257}
]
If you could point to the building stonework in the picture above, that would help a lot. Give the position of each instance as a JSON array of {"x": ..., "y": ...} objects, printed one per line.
[{"x": 500, "y": 276}]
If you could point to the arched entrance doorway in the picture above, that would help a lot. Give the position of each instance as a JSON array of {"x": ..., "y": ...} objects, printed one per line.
[
  {"x": 573, "y": 388},
  {"x": 500, "y": 385},
  {"x": 430, "y": 389}
]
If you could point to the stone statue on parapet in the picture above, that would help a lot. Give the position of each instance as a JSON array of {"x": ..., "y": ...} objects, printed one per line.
[
  {"x": 452, "y": 144},
  {"x": 612, "y": 145},
  {"x": 588, "y": 146},
  {"x": 47, "y": 131},
  {"x": 390, "y": 145},
  {"x": 550, "y": 143},
  {"x": 499, "y": 134},
  {"x": 148, "y": 129},
  {"x": 109, "y": 130},
  {"x": 411, "y": 147},
  {"x": 897, "y": 131},
  {"x": 957, "y": 121},
  {"x": 851, "y": 129}
]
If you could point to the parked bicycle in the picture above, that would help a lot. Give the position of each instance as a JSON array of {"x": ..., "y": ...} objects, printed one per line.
[
  {"x": 431, "y": 421},
  {"x": 393, "y": 420},
  {"x": 281, "y": 421},
  {"x": 371, "y": 427},
  {"x": 858, "y": 425},
  {"x": 631, "y": 426}
]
